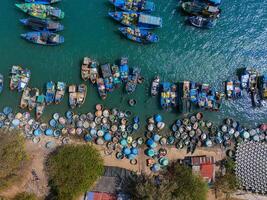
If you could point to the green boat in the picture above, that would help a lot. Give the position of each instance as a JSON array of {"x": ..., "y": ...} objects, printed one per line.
[{"x": 41, "y": 11}]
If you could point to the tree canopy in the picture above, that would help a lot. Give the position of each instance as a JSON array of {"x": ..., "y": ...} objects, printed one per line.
[{"x": 73, "y": 169}]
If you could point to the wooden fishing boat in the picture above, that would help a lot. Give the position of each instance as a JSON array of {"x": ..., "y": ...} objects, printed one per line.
[
  {"x": 43, "y": 38},
  {"x": 85, "y": 70},
  {"x": 60, "y": 92},
  {"x": 174, "y": 95},
  {"x": 25, "y": 76},
  {"x": 101, "y": 88},
  {"x": 237, "y": 89},
  {"x": 33, "y": 96},
  {"x": 139, "y": 35},
  {"x": 202, "y": 96},
  {"x": 116, "y": 75},
  {"x": 186, "y": 89},
  {"x": 124, "y": 69},
  {"x": 15, "y": 77},
  {"x": 107, "y": 76},
  {"x": 165, "y": 97},
  {"x": 1, "y": 83},
  {"x": 200, "y": 8},
  {"x": 40, "y": 106},
  {"x": 24, "y": 102},
  {"x": 42, "y": 1},
  {"x": 72, "y": 96},
  {"x": 50, "y": 92},
  {"x": 93, "y": 74},
  {"x": 229, "y": 89},
  {"x": 135, "y": 5},
  {"x": 42, "y": 24},
  {"x": 244, "y": 80},
  {"x": 81, "y": 94},
  {"x": 140, "y": 20},
  {"x": 41, "y": 11},
  {"x": 194, "y": 91},
  {"x": 155, "y": 86},
  {"x": 264, "y": 86},
  {"x": 201, "y": 22},
  {"x": 211, "y": 99},
  {"x": 218, "y": 101},
  {"x": 253, "y": 79},
  {"x": 133, "y": 80}
]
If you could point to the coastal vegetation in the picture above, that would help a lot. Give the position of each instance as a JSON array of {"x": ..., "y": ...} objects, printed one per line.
[
  {"x": 73, "y": 169},
  {"x": 177, "y": 183},
  {"x": 13, "y": 158},
  {"x": 25, "y": 196}
]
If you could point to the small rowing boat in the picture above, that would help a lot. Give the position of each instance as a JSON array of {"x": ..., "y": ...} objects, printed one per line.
[
  {"x": 201, "y": 22},
  {"x": 60, "y": 92},
  {"x": 42, "y": 24},
  {"x": 155, "y": 86},
  {"x": 81, "y": 94}
]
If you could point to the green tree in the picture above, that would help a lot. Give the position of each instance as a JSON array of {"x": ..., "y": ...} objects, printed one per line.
[
  {"x": 73, "y": 169},
  {"x": 25, "y": 196},
  {"x": 13, "y": 157}
]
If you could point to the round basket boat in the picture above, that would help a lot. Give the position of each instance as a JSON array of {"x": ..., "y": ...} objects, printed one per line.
[
  {"x": 99, "y": 107},
  {"x": 133, "y": 162},
  {"x": 132, "y": 102}
]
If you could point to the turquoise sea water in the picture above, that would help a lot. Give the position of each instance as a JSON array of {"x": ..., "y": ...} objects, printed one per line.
[{"x": 184, "y": 52}]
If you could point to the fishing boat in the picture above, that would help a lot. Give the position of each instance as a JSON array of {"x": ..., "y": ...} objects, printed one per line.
[
  {"x": 85, "y": 70},
  {"x": 24, "y": 79},
  {"x": 15, "y": 77},
  {"x": 165, "y": 98},
  {"x": 200, "y": 8},
  {"x": 24, "y": 102},
  {"x": 1, "y": 83},
  {"x": 42, "y": 24},
  {"x": 93, "y": 74},
  {"x": 264, "y": 86},
  {"x": 50, "y": 92},
  {"x": 72, "y": 96},
  {"x": 124, "y": 69},
  {"x": 140, "y": 20},
  {"x": 253, "y": 79},
  {"x": 101, "y": 88},
  {"x": 34, "y": 93},
  {"x": 218, "y": 101},
  {"x": 186, "y": 89},
  {"x": 202, "y": 96},
  {"x": 155, "y": 86},
  {"x": 43, "y": 38},
  {"x": 237, "y": 89},
  {"x": 229, "y": 89},
  {"x": 42, "y": 1},
  {"x": 201, "y": 22},
  {"x": 139, "y": 35},
  {"x": 174, "y": 95},
  {"x": 40, "y": 106},
  {"x": 193, "y": 93},
  {"x": 133, "y": 80},
  {"x": 81, "y": 94},
  {"x": 60, "y": 92},
  {"x": 116, "y": 75},
  {"x": 134, "y": 5},
  {"x": 41, "y": 11},
  {"x": 244, "y": 80},
  {"x": 211, "y": 99},
  {"x": 107, "y": 76}
]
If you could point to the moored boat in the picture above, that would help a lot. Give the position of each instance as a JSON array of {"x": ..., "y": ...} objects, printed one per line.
[
  {"x": 107, "y": 76},
  {"x": 244, "y": 78},
  {"x": 124, "y": 69},
  {"x": 40, "y": 106},
  {"x": 72, "y": 96},
  {"x": 186, "y": 89},
  {"x": 139, "y": 35},
  {"x": 201, "y": 22},
  {"x": 50, "y": 92},
  {"x": 101, "y": 88},
  {"x": 60, "y": 92},
  {"x": 200, "y": 8},
  {"x": 237, "y": 89},
  {"x": 165, "y": 98},
  {"x": 42, "y": 1},
  {"x": 253, "y": 79},
  {"x": 135, "y": 5},
  {"x": 1, "y": 83},
  {"x": 42, "y": 24},
  {"x": 194, "y": 91},
  {"x": 264, "y": 86},
  {"x": 15, "y": 77},
  {"x": 25, "y": 76},
  {"x": 229, "y": 89},
  {"x": 85, "y": 70},
  {"x": 43, "y": 38},
  {"x": 174, "y": 95},
  {"x": 24, "y": 102},
  {"x": 41, "y": 11},
  {"x": 93, "y": 74},
  {"x": 143, "y": 21},
  {"x": 202, "y": 96},
  {"x": 133, "y": 80},
  {"x": 81, "y": 94},
  {"x": 33, "y": 96},
  {"x": 116, "y": 75},
  {"x": 155, "y": 86}
]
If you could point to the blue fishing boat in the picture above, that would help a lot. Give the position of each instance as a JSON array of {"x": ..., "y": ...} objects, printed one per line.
[
  {"x": 237, "y": 89},
  {"x": 134, "y": 5},
  {"x": 42, "y": 1},
  {"x": 116, "y": 75},
  {"x": 201, "y": 22},
  {"x": 244, "y": 80},
  {"x": 263, "y": 87},
  {"x": 193, "y": 93},
  {"x": 211, "y": 99},
  {"x": 174, "y": 95},
  {"x": 101, "y": 88},
  {"x": 229, "y": 89},
  {"x": 23, "y": 82},
  {"x": 43, "y": 38},
  {"x": 165, "y": 97},
  {"x": 139, "y": 35},
  {"x": 133, "y": 80},
  {"x": 107, "y": 76},
  {"x": 50, "y": 92},
  {"x": 141, "y": 20},
  {"x": 1, "y": 83},
  {"x": 124, "y": 69},
  {"x": 202, "y": 98},
  {"x": 42, "y": 24},
  {"x": 60, "y": 92}
]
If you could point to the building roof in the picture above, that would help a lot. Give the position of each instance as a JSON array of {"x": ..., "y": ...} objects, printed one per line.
[
  {"x": 99, "y": 196},
  {"x": 207, "y": 172}
]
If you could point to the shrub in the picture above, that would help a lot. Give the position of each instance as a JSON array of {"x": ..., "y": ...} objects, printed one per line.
[
  {"x": 25, "y": 196},
  {"x": 73, "y": 169}
]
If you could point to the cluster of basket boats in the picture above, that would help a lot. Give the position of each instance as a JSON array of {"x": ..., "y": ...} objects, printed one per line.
[
  {"x": 188, "y": 93},
  {"x": 202, "y": 13},
  {"x": 42, "y": 22},
  {"x": 135, "y": 18},
  {"x": 110, "y": 77}
]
